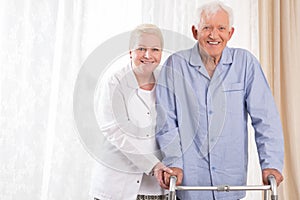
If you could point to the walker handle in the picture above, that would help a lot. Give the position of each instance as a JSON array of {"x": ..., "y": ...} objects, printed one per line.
[
  {"x": 172, "y": 192},
  {"x": 273, "y": 183}
]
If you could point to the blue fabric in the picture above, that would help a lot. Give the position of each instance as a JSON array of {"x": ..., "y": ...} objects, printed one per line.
[{"x": 202, "y": 121}]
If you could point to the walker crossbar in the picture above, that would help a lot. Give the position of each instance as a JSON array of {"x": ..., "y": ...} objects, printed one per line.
[{"x": 226, "y": 188}]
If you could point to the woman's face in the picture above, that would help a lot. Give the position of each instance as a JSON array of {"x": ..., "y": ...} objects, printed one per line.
[{"x": 146, "y": 54}]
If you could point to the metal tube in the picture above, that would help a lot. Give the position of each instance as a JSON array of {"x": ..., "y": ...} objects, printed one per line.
[
  {"x": 273, "y": 183},
  {"x": 266, "y": 194},
  {"x": 172, "y": 187},
  {"x": 225, "y": 188}
]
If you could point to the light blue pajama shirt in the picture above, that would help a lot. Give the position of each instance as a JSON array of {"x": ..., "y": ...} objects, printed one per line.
[{"x": 202, "y": 121}]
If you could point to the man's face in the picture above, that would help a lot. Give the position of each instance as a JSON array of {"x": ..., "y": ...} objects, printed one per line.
[
  {"x": 213, "y": 33},
  {"x": 147, "y": 53}
]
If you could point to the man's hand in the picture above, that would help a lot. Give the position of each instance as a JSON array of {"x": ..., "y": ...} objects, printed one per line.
[
  {"x": 176, "y": 172},
  {"x": 268, "y": 171},
  {"x": 159, "y": 170},
  {"x": 163, "y": 174}
]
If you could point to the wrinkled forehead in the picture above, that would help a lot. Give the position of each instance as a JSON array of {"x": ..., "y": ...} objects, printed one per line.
[{"x": 219, "y": 16}]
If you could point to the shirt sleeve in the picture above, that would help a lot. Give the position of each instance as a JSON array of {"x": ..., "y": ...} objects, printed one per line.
[
  {"x": 117, "y": 128},
  {"x": 265, "y": 118},
  {"x": 167, "y": 131}
]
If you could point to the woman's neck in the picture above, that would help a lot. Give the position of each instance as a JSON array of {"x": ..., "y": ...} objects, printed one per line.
[{"x": 145, "y": 81}]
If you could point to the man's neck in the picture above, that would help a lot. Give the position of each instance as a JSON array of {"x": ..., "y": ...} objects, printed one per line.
[{"x": 209, "y": 62}]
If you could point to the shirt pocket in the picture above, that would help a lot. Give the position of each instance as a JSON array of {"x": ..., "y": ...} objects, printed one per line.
[{"x": 234, "y": 94}]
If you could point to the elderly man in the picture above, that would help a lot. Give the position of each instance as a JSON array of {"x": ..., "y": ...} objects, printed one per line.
[{"x": 204, "y": 96}]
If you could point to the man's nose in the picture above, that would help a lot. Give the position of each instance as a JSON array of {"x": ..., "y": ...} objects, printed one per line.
[{"x": 213, "y": 33}]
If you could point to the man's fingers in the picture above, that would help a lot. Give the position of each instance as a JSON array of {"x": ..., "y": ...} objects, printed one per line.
[
  {"x": 160, "y": 179},
  {"x": 158, "y": 175},
  {"x": 168, "y": 170},
  {"x": 179, "y": 175},
  {"x": 163, "y": 185},
  {"x": 163, "y": 174},
  {"x": 266, "y": 172},
  {"x": 167, "y": 178}
]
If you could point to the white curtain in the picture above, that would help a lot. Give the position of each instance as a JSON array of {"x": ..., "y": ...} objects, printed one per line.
[{"x": 43, "y": 44}]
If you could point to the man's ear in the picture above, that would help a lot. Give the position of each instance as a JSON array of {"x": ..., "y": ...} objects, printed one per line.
[
  {"x": 195, "y": 32},
  {"x": 231, "y": 32}
]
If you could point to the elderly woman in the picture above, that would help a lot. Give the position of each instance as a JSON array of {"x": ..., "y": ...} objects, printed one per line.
[{"x": 127, "y": 120}]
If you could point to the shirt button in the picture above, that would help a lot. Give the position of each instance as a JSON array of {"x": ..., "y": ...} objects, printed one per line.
[
  {"x": 210, "y": 112},
  {"x": 148, "y": 113},
  {"x": 213, "y": 168},
  {"x": 138, "y": 181}
]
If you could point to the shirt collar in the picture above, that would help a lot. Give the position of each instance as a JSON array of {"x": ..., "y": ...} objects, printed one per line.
[
  {"x": 195, "y": 59},
  {"x": 131, "y": 79},
  {"x": 226, "y": 57}
]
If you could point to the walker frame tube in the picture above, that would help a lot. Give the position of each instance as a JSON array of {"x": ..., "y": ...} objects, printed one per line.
[{"x": 226, "y": 188}]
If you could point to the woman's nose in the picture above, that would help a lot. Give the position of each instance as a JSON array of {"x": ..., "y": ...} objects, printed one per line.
[{"x": 147, "y": 53}]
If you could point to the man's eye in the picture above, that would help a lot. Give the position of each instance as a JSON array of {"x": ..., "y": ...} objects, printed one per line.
[
  {"x": 141, "y": 49},
  {"x": 155, "y": 49},
  {"x": 206, "y": 28}
]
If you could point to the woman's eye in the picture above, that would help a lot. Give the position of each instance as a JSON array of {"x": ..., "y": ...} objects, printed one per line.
[{"x": 141, "y": 49}]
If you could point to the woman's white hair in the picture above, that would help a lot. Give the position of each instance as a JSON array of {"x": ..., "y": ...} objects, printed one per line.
[
  {"x": 212, "y": 8},
  {"x": 145, "y": 28}
]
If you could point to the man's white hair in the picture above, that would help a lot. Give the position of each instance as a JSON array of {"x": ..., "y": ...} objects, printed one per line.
[{"x": 212, "y": 8}]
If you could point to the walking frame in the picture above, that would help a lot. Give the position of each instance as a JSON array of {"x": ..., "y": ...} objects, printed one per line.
[{"x": 226, "y": 188}]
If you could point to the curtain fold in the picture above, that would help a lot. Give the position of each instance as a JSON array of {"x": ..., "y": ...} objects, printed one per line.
[{"x": 279, "y": 54}]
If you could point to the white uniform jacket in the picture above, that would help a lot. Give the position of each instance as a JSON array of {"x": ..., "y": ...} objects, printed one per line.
[{"x": 129, "y": 127}]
